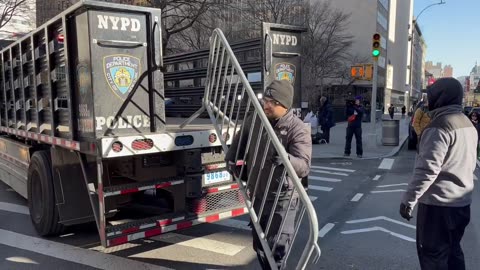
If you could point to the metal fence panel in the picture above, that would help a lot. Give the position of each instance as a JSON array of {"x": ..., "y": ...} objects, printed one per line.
[{"x": 231, "y": 103}]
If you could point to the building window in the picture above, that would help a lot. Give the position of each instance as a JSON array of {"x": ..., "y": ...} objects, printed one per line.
[
  {"x": 382, "y": 21},
  {"x": 384, "y": 3}
]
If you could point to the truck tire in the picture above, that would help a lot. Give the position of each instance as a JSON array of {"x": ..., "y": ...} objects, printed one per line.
[{"x": 41, "y": 196}]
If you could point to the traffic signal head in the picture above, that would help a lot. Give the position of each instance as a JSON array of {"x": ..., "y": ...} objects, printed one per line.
[{"x": 376, "y": 45}]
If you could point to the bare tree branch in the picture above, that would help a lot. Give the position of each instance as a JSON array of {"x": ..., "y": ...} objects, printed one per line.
[
  {"x": 326, "y": 47},
  {"x": 10, "y": 8}
]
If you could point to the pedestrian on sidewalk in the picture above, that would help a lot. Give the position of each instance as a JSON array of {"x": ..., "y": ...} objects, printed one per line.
[
  {"x": 354, "y": 113},
  {"x": 325, "y": 118},
  {"x": 476, "y": 123},
  {"x": 442, "y": 182},
  {"x": 295, "y": 138},
  {"x": 404, "y": 111},
  {"x": 421, "y": 119},
  {"x": 391, "y": 111}
]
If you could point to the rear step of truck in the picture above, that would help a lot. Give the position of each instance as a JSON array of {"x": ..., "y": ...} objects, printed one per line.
[
  {"x": 124, "y": 233},
  {"x": 216, "y": 203}
]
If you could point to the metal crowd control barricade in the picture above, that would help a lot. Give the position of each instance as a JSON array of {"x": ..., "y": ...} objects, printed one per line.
[{"x": 229, "y": 99}]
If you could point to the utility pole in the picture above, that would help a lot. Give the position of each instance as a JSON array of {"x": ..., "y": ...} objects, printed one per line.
[{"x": 373, "y": 106}]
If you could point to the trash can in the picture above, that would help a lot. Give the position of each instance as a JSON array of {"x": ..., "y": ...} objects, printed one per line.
[{"x": 390, "y": 132}]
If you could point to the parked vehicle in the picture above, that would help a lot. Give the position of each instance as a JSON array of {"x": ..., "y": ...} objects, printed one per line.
[{"x": 84, "y": 131}]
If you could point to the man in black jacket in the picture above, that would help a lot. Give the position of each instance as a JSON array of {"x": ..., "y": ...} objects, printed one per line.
[
  {"x": 296, "y": 139},
  {"x": 354, "y": 117}
]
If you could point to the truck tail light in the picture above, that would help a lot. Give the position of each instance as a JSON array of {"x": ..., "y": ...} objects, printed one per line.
[
  {"x": 142, "y": 144},
  {"x": 212, "y": 138},
  {"x": 117, "y": 147}
]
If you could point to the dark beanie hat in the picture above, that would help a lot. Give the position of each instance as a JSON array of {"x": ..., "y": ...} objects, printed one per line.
[
  {"x": 444, "y": 92},
  {"x": 281, "y": 91}
]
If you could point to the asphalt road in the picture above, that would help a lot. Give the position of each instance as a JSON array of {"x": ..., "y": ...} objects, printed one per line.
[{"x": 357, "y": 208}]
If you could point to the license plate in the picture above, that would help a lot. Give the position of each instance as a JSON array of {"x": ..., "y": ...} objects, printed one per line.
[{"x": 216, "y": 177}]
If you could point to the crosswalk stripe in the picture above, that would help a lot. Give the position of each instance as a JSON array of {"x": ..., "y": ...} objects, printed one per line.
[
  {"x": 70, "y": 253},
  {"x": 325, "y": 179},
  {"x": 327, "y": 172},
  {"x": 332, "y": 169},
  {"x": 386, "y": 164},
  {"x": 313, "y": 198},
  {"x": 388, "y": 191},
  {"x": 320, "y": 188},
  {"x": 199, "y": 243}
]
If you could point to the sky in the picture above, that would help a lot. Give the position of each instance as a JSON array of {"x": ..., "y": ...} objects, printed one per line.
[{"x": 452, "y": 33}]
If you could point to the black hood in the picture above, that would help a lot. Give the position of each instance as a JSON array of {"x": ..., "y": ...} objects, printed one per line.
[{"x": 444, "y": 92}]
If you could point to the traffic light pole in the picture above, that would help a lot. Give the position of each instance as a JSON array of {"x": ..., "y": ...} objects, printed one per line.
[{"x": 373, "y": 105}]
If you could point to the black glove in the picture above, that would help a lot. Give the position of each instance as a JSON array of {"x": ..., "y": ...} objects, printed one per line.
[
  {"x": 277, "y": 161},
  {"x": 405, "y": 211},
  {"x": 231, "y": 167}
]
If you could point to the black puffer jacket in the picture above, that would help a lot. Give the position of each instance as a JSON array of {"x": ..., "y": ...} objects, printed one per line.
[{"x": 295, "y": 138}]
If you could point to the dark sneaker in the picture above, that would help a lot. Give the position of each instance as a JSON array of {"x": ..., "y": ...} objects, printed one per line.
[
  {"x": 359, "y": 156},
  {"x": 346, "y": 155}
]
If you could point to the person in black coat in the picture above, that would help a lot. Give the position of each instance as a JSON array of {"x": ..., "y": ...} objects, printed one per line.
[
  {"x": 325, "y": 118},
  {"x": 354, "y": 113},
  {"x": 391, "y": 111}
]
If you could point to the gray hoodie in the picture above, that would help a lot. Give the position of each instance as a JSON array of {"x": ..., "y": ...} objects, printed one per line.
[{"x": 446, "y": 159}]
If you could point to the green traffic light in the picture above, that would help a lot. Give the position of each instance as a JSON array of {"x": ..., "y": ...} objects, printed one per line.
[{"x": 376, "y": 53}]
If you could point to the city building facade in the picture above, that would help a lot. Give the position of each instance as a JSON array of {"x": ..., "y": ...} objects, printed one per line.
[
  {"x": 448, "y": 71},
  {"x": 435, "y": 69}
]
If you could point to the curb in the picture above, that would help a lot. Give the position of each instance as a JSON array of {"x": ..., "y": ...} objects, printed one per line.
[{"x": 392, "y": 153}]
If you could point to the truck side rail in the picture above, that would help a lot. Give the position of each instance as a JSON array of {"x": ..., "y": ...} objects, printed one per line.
[{"x": 229, "y": 99}]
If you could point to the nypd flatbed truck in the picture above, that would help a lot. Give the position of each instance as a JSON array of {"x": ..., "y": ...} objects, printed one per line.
[{"x": 84, "y": 135}]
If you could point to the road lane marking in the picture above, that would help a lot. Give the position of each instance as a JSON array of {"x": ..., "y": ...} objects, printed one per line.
[
  {"x": 328, "y": 172},
  {"x": 320, "y": 188},
  {"x": 71, "y": 253},
  {"x": 14, "y": 208},
  {"x": 393, "y": 185},
  {"x": 312, "y": 198},
  {"x": 388, "y": 191},
  {"x": 357, "y": 197},
  {"x": 386, "y": 164},
  {"x": 332, "y": 169},
  {"x": 381, "y": 218},
  {"x": 325, "y": 229},
  {"x": 376, "y": 177},
  {"x": 200, "y": 243},
  {"x": 325, "y": 179},
  {"x": 376, "y": 228}
]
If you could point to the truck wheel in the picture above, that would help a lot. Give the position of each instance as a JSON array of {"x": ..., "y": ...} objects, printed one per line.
[{"x": 41, "y": 196}]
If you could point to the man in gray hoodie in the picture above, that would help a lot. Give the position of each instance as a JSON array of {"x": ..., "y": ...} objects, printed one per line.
[{"x": 442, "y": 182}]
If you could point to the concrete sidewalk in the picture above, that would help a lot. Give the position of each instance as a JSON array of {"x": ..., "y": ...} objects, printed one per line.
[{"x": 371, "y": 149}]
